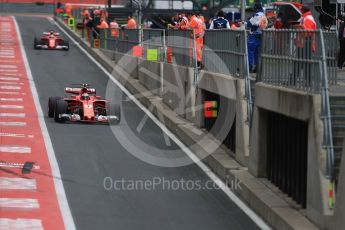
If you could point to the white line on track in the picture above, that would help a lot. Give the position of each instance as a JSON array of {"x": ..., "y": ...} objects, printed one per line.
[
  {"x": 9, "y": 78},
  {"x": 20, "y": 115},
  {"x": 9, "y": 183},
  {"x": 18, "y": 203},
  {"x": 12, "y": 123},
  {"x": 10, "y": 87},
  {"x": 11, "y": 93},
  {"x": 59, "y": 189},
  {"x": 249, "y": 212},
  {"x": 20, "y": 224},
  {"x": 11, "y": 83},
  {"x": 14, "y": 149},
  {"x": 11, "y": 107},
  {"x": 10, "y": 99},
  {"x": 17, "y": 135}
]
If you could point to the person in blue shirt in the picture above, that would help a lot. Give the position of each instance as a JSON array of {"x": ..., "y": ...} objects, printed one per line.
[
  {"x": 220, "y": 22},
  {"x": 255, "y": 24}
]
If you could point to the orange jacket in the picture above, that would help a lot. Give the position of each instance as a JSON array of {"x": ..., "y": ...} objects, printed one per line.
[
  {"x": 131, "y": 24},
  {"x": 308, "y": 22},
  {"x": 114, "y": 29},
  {"x": 103, "y": 25},
  {"x": 196, "y": 24}
]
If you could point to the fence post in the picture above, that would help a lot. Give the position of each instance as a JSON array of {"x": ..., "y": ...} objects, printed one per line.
[
  {"x": 195, "y": 60},
  {"x": 248, "y": 92}
]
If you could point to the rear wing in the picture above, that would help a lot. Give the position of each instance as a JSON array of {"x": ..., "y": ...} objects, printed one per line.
[{"x": 80, "y": 90}]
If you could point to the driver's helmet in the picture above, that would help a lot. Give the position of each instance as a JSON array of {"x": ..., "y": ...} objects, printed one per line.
[
  {"x": 85, "y": 97},
  {"x": 51, "y": 33}
]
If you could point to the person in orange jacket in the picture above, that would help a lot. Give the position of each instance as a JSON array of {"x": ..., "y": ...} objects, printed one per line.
[
  {"x": 103, "y": 24},
  {"x": 131, "y": 23},
  {"x": 114, "y": 28},
  {"x": 196, "y": 25},
  {"x": 306, "y": 44},
  {"x": 68, "y": 10},
  {"x": 183, "y": 23},
  {"x": 307, "y": 21}
]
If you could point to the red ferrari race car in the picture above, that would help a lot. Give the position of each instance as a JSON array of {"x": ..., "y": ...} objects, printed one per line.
[
  {"x": 83, "y": 106},
  {"x": 51, "y": 40}
]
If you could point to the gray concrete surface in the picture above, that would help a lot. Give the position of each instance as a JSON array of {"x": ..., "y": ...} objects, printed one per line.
[
  {"x": 338, "y": 221},
  {"x": 88, "y": 153},
  {"x": 281, "y": 217},
  {"x": 305, "y": 107}
]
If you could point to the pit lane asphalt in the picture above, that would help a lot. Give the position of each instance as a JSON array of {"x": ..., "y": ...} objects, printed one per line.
[{"x": 89, "y": 153}]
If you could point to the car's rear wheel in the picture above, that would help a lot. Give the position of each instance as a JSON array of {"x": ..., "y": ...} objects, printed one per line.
[
  {"x": 60, "y": 108},
  {"x": 51, "y": 105}
]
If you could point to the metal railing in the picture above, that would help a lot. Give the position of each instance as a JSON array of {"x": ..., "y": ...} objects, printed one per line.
[
  {"x": 123, "y": 41},
  {"x": 331, "y": 49},
  {"x": 301, "y": 59},
  {"x": 225, "y": 52},
  {"x": 181, "y": 47},
  {"x": 154, "y": 44}
]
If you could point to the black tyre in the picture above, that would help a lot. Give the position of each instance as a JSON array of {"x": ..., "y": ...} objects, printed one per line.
[
  {"x": 60, "y": 108},
  {"x": 51, "y": 105},
  {"x": 115, "y": 110},
  {"x": 66, "y": 43},
  {"x": 36, "y": 43}
]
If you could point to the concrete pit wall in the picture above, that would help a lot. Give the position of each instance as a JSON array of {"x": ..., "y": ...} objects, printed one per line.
[
  {"x": 301, "y": 106},
  {"x": 180, "y": 95},
  {"x": 338, "y": 220}
]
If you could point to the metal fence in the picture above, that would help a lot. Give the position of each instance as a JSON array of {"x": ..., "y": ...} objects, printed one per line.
[
  {"x": 122, "y": 41},
  {"x": 292, "y": 58},
  {"x": 303, "y": 60},
  {"x": 181, "y": 47},
  {"x": 154, "y": 44},
  {"x": 225, "y": 52},
  {"x": 76, "y": 13},
  {"x": 331, "y": 51}
]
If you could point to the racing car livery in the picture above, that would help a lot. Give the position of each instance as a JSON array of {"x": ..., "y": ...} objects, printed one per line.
[
  {"x": 83, "y": 106},
  {"x": 51, "y": 40}
]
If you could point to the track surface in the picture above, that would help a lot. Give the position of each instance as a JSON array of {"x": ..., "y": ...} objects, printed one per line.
[{"x": 89, "y": 153}]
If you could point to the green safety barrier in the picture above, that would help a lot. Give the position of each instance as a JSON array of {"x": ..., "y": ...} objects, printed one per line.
[{"x": 152, "y": 55}]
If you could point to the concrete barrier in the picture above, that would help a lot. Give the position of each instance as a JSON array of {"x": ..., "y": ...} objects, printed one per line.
[
  {"x": 254, "y": 191},
  {"x": 301, "y": 106},
  {"x": 338, "y": 220}
]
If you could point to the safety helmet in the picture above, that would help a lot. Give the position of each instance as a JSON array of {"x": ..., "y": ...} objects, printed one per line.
[{"x": 85, "y": 97}]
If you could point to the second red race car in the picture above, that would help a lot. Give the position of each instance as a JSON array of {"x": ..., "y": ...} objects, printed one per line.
[
  {"x": 51, "y": 40},
  {"x": 83, "y": 106}
]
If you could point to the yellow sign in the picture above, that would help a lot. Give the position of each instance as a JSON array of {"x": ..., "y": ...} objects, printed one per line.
[
  {"x": 152, "y": 55},
  {"x": 71, "y": 22}
]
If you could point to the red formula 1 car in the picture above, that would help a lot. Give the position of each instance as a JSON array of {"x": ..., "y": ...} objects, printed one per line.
[
  {"x": 83, "y": 106},
  {"x": 51, "y": 40}
]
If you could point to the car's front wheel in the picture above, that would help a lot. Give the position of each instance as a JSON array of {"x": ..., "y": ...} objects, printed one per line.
[
  {"x": 51, "y": 105},
  {"x": 66, "y": 45},
  {"x": 60, "y": 108},
  {"x": 36, "y": 43}
]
